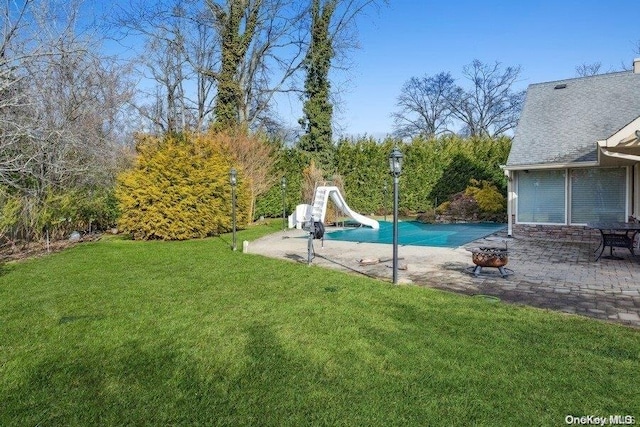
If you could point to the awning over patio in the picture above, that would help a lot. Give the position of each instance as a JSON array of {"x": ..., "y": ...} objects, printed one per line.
[
  {"x": 632, "y": 140},
  {"x": 624, "y": 144}
]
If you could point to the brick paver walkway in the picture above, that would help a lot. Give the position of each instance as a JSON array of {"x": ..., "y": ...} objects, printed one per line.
[{"x": 559, "y": 276}]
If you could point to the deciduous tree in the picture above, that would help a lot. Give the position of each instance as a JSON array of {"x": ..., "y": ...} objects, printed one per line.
[
  {"x": 256, "y": 157},
  {"x": 491, "y": 106},
  {"x": 229, "y": 58},
  {"x": 60, "y": 110},
  {"x": 584, "y": 70},
  {"x": 332, "y": 35},
  {"x": 424, "y": 106}
]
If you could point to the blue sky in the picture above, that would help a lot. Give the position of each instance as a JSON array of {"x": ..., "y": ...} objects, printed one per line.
[
  {"x": 408, "y": 38},
  {"x": 411, "y": 38}
]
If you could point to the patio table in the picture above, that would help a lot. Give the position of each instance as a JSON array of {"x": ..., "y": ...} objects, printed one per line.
[{"x": 615, "y": 234}]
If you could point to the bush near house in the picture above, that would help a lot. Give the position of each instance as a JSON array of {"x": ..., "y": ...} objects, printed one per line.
[
  {"x": 480, "y": 201},
  {"x": 179, "y": 189}
]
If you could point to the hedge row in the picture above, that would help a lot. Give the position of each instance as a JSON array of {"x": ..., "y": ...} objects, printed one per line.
[{"x": 433, "y": 171}]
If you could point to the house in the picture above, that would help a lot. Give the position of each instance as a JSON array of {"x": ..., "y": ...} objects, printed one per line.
[{"x": 575, "y": 155}]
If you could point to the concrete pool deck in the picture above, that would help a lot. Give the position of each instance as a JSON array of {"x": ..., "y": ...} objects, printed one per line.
[{"x": 554, "y": 275}]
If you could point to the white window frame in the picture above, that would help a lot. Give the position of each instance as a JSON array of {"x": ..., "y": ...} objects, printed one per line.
[
  {"x": 627, "y": 183},
  {"x": 565, "y": 199},
  {"x": 567, "y": 196}
]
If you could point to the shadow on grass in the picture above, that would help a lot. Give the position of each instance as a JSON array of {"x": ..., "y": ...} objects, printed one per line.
[
  {"x": 226, "y": 241},
  {"x": 120, "y": 386},
  {"x": 162, "y": 383}
]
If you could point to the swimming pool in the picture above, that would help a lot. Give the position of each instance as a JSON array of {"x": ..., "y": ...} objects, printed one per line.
[{"x": 419, "y": 234}]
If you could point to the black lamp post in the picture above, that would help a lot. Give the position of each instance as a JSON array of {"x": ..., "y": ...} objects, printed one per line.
[
  {"x": 395, "y": 166},
  {"x": 284, "y": 203},
  {"x": 233, "y": 178}
]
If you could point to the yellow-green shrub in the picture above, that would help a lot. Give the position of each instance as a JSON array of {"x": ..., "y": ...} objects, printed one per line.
[
  {"x": 480, "y": 201},
  {"x": 443, "y": 208},
  {"x": 179, "y": 189},
  {"x": 487, "y": 195},
  {"x": 10, "y": 208},
  {"x": 55, "y": 213}
]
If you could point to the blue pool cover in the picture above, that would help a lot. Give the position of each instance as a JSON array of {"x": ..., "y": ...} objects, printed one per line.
[{"x": 419, "y": 234}]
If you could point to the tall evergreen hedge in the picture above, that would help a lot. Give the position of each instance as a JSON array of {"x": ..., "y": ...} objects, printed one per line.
[
  {"x": 179, "y": 187},
  {"x": 433, "y": 170}
]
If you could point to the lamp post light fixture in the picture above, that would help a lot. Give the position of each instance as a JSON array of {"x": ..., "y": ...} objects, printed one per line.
[
  {"x": 233, "y": 179},
  {"x": 395, "y": 167},
  {"x": 284, "y": 203}
]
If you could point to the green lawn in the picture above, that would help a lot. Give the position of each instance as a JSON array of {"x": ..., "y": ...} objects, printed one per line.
[{"x": 190, "y": 333}]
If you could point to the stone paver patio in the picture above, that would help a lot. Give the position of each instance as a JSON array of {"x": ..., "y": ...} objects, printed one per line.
[{"x": 554, "y": 275}]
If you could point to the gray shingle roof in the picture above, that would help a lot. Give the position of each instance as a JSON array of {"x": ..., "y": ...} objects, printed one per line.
[{"x": 564, "y": 125}]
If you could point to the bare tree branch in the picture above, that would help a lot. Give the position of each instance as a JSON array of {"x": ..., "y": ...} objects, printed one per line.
[
  {"x": 424, "y": 106},
  {"x": 584, "y": 70},
  {"x": 490, "y": 107},
  {"x": 60, "y": 102}
]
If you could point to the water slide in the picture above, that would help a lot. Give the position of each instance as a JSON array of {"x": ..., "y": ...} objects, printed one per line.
[{"x": 318, "y": 210}]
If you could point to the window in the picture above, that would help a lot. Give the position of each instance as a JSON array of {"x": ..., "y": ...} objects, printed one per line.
[
  {"x": 541, "y": 197},
  {"x": 598, "y": 195}
]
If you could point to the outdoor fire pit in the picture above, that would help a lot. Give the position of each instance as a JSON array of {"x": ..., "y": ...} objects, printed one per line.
[{"x": 490, "y": 257}]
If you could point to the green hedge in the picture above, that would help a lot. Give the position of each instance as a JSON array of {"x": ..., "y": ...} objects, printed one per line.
[
  {"x": 433, "y": 171},
  {"x": 290, "y": 164}
]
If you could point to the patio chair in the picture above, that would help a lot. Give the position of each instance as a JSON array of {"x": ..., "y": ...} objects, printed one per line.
[{"x": 615, "y": 239}]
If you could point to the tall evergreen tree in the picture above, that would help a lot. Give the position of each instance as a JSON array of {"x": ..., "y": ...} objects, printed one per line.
[{"x": 317, "y": 108}]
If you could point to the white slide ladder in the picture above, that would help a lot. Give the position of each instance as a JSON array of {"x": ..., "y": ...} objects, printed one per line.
[{"x": 318, "y": 210}]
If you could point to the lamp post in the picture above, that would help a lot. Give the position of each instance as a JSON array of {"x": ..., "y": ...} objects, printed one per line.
[
  {"x": 233, "y": 178},
  {"x": 395, "y": 166},
  {"x": 284, "y": 203}
]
